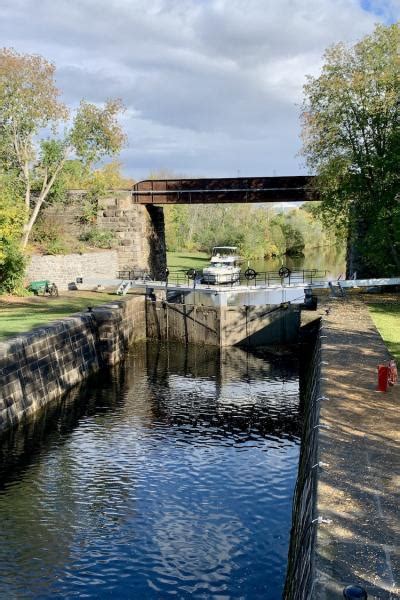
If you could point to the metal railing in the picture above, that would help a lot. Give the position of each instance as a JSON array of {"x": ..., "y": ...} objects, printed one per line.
[
  {"x": 184, "y": 277},
  {"x": 135, "y": 275},
  {"x": 304, "y": 276}
]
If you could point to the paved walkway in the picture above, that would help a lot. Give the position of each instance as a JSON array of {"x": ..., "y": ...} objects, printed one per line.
[{"x": 359, "y": 490}]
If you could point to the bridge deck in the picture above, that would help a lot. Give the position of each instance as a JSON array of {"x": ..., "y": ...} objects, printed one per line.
[{"x": 224, "y": 190}]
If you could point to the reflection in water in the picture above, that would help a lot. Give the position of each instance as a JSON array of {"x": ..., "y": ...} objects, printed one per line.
[
  {"x": 172, "y": 477},
  {"x": 330, "y": 258}
]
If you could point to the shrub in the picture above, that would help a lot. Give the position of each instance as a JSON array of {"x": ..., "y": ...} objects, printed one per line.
[
  {"x": 12, "y": 269},
  {"x": 51, "y": 236},
  {"x": 99, "y": 238},
  {"x": 48, "y": 228},
  {"x": 56, "y": 246}
]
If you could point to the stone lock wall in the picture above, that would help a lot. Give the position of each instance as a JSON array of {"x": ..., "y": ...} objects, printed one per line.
[{"x": 40, "y": 366}]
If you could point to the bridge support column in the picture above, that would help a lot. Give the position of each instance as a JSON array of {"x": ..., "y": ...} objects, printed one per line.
[{"x": 139, "y": 231}]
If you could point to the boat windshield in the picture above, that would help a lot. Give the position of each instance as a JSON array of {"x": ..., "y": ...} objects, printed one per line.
[{"x": 224, "y": 251}]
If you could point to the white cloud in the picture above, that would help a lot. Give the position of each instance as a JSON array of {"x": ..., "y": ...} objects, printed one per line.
[{"x": 211, "y": 86}]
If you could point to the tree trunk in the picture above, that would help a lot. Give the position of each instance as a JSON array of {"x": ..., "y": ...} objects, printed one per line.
[
  {"x": 31, "y": 222},
  {"x": 47, "y": 185},
  {"x": 355, "y": 257}
]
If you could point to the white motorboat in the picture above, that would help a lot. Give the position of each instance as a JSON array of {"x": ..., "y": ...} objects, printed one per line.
[{"x": 224, "y": 266}]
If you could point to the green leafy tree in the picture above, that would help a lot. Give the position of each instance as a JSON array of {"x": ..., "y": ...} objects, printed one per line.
[
  {"x": 351, "y": 135},
  {"x": 12, "y": 219},
  {"x": 12, "y": 212},
  {"x": 30, "y": 109}
]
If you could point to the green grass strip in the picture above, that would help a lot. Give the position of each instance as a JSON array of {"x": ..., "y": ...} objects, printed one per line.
[
  {"x": 387, "y": 320},
  {"x": 187, "y": 260},
  {"x": 24, "y": 314}
]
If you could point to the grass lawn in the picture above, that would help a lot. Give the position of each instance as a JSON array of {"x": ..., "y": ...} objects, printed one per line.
[
  {"x": 18, "y": 315},
  {"x": 187, "y": 260},
  {"x": 387, "y": 320}
]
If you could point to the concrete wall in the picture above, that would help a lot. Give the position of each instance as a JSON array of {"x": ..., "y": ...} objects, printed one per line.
[
  {"x": 64, "y": 269},
  {"x": 40, "y": 366},
  {"x": 259, "y": 325},
  {"x": 222, "y": 326},
  {"x": 183, "y": 323}
]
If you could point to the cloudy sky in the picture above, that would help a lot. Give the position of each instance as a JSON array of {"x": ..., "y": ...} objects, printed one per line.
[{"x": 212, "y": 87}]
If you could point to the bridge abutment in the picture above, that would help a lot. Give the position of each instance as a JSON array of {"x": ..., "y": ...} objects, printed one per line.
[{"x": 139, "y": 231}]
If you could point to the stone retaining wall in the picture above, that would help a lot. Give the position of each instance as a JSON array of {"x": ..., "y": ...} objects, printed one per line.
[
  {"x": 300, "y": 574},
  {"x": 63, "y": 270},
  {"x": 139, "y": 240},
  {"x": 40, "y": 366}
]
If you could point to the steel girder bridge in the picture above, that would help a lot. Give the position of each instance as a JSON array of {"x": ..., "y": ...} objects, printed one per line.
[{"x": 224, "y": 190}]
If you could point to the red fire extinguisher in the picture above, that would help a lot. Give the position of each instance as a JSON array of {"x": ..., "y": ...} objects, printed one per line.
[
  {"x": 387, "y": 375},
  {"x": 383, "y": 378}
]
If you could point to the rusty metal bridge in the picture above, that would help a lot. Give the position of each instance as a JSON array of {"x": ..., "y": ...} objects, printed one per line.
[{"x": 224, "y": 190}]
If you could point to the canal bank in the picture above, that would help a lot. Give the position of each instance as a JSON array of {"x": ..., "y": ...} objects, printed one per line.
[
  {"x": 346, "y": 521},
  {"x": 38, "y": 367},
  {"x": 344, "y": 526}
]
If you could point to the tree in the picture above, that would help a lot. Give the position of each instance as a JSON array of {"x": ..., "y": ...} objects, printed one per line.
[
  {"x": 351, "y": 141},
  {"x": 12, "y": 218},
  {"x": 12, "y": 213},
  {"x": 30, "y": 109}
]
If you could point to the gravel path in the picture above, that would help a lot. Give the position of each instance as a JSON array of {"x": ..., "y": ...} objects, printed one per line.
[{"x": 359, "y": 490}]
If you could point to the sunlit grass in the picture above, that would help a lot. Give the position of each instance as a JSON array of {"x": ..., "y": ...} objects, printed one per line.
[
  {"x": 187, "y": 260},
  {"x": 18, "y": 315},
  {"x": 387, "y": 320}
]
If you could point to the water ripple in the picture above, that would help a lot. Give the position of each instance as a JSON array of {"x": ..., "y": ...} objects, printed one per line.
[{"x": 172, "y": 478}]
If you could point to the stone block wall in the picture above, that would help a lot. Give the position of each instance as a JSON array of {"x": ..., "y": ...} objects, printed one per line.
[
  {"x": 139, "y": 236},
  {"x": 119, "y": 324},
  {"x": 40, "y": 366},
  {"x": 64, "y": 269},
  {"x": 139, "y": 231}
]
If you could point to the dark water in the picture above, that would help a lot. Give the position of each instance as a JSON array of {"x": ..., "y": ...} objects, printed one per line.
[{"x": 171, "y": 478}]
